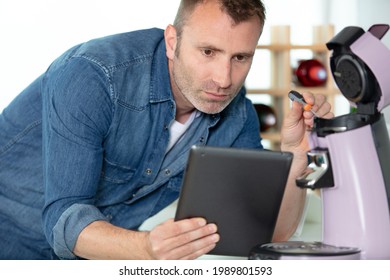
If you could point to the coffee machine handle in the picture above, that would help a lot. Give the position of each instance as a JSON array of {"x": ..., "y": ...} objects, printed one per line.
[{"x": 318, "y": 173}]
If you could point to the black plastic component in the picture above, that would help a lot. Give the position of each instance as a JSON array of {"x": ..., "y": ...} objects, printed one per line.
[
  {"x": 275, "y": 251},
  {"x": 345, "y": 37},
  {"x": 382, "y": 145},
  {"x": 325, "y": 180},
  {"x": 379, "y": 30},
  {"x": 324, "y": 127},
  {"x": 353, "y": 77}
]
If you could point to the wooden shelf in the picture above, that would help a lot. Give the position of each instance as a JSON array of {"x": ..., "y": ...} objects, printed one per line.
[
  {"x": 286, "y": 47},
  {"x": 272, "y": 136},
  {"x": 281, "y": 92},
  {"x": 282, "y": 80}
]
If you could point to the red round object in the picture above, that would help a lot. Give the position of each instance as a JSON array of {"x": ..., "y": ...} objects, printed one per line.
[{"x": 311, "y": 73}]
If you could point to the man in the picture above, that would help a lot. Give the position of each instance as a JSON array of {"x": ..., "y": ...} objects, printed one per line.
[{"x": 98, "y": 143}]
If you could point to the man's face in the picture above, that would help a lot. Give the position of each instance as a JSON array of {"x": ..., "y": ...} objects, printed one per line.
[{"x": 212, "y": 59}]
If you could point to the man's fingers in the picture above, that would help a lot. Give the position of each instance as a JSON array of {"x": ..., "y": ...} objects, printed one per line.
[
  {"x": 199, "y": 253},
  {"x": 195, "y": 248},
  {"x": 183, "y": 239}
]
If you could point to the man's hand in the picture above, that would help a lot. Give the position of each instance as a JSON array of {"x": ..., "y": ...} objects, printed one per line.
[
  {"x": 295, "y": 132},
  {"x": 298, "y": 121},
  {"x": 185, "y": 239}
]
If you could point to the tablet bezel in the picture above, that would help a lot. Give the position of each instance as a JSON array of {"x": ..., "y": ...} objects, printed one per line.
[{"x": 240, "y": 190}]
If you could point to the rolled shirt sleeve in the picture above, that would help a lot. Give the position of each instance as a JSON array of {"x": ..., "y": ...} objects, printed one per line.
[
  {"x": 69, "y": 225},
  {"x": 76, "y": 117}
]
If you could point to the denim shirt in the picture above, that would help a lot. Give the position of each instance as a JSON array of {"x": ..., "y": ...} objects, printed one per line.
[{"x": 106, "y": 110}]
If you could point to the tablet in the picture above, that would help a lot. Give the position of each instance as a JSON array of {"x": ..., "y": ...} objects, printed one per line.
[{"x": 240, "y": 190}]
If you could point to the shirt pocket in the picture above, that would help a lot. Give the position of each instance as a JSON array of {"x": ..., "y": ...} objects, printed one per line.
[
  {"x": 115, "y": 173},
  {"x": 115, "y": 184}
]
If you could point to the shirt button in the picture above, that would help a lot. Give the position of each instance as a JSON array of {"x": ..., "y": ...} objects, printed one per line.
[
  {"x": 167, "y": 171},
  {"x": 148, "y": 171}
]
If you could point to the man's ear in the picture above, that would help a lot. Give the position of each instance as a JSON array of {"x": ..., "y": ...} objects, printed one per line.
[{"x": 170, "y": 36}]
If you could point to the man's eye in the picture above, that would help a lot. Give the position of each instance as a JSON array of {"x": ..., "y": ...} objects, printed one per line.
[
  {"x": 207, "y": 52},
  {"x": 241, "y": 58}
]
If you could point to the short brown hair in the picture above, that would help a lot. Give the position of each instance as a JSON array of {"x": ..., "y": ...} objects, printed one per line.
[{"x": 238, "y": 10}]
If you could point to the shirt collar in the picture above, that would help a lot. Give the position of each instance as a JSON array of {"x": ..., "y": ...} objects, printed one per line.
[{"x": 160, "y": 88}]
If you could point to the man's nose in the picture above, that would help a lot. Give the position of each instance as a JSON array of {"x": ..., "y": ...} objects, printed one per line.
[{"x": 223, "y": 75}]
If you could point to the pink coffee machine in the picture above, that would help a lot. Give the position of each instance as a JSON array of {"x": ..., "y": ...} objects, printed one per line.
[{"x": 349, "y": 160}]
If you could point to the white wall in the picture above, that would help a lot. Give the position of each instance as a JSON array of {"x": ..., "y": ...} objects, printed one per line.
[
  {"x": 34, "y": 32},
  {"x": 372, "y": 12}
]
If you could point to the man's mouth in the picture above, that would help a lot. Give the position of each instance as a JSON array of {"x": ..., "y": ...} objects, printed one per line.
[{"x": 216, "y": 96}]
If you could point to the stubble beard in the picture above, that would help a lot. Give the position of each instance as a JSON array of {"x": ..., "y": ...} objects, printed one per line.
[{"x": 186, "y": 86}]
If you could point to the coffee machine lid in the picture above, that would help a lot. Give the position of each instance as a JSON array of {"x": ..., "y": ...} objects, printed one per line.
[
  {"x": 360, "y": 64},
  {"x": 370, "y": 49}
]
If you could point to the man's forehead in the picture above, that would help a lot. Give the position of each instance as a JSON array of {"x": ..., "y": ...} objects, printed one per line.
[{"x": 221, "y": 30}]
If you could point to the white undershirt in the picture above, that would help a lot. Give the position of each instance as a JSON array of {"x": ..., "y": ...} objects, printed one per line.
[{"x": 177, "y": 129}]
